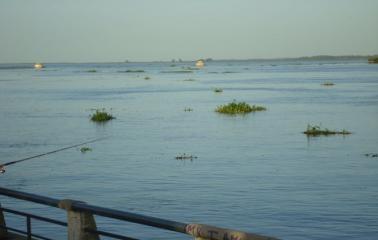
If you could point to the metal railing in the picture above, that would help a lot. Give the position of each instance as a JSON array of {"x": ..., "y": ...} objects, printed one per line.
[{"x": 81, "y": 224}]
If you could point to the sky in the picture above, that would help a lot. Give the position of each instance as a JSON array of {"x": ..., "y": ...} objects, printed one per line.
[{"x": 154, "y": 30}]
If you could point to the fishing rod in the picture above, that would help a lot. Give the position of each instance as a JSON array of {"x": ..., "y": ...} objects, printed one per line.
[{"x": 2, "y": 166}]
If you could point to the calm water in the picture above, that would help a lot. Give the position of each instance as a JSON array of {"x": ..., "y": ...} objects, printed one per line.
[{"x": 256, "y": 173}]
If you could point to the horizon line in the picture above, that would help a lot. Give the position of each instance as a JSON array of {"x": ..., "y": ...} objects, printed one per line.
[{"x": 313, "y": 57}]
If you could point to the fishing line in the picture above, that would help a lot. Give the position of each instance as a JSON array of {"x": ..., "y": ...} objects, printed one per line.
[{"x": 2, "y": 169}]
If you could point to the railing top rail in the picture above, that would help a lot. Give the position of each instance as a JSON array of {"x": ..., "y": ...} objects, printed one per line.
[
  {"x": 29, "y": 197},
  {"x": 101, "y": 211}
]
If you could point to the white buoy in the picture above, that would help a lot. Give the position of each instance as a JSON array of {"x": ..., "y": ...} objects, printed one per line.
[
  {"x": 38, "y": 66},
  {"x": 200, "y": 63}
]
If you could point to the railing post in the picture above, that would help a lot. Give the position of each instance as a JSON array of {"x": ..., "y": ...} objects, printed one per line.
[
  {"x": 78, "y": 222},
  {"x": 3, "y": 231}
]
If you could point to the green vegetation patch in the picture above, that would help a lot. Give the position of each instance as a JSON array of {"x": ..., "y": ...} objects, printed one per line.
[
  {"x": 92, "y": 70},
  {"x": 373, "y": 59},
  {"x": 101, "y": 116},
  {"x": 185, "y": 157},
  {"x": 189, "y": 80},
  {"x": 147, "y": 78},
  {"x": 238, "y": 108},
  {"x": 314, "y": 131},
  {"x": 328, "y": 84},
  {"x": 132, "y": 71},
  {"x": 373, "y": 155},
  {"x": 218, "y": 90},
  {"x": 188, "y": 109},
  {"x": 85, "y": 149}
]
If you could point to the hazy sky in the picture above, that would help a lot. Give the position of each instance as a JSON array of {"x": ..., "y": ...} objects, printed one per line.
[{"x": 116, "y": 30}]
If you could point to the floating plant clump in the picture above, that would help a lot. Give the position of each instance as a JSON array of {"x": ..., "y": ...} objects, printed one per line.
[
  {"x": 185, "y": 157},
  {"x": 85, "y": 149},
  {"x": 101, "y": 116},
  {"x": 238, "y": 108},
  {"x": 328, "y": 84},
  {"x": 315, "y": 130}
]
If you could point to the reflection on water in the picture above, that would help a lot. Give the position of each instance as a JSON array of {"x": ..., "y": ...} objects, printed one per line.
[{"x": 255, "y": 173}]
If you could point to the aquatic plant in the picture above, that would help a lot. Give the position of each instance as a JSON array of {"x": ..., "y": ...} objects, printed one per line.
[
  {"x": 218, "y": 90},
  {"x": 373, "y": 59},
  {"x": 92, "y": 71},
  {"x": 101, "y": 116},
  {"x": 188, "y": 109},
  {"x": 185, "y": 157},
  {"x": 238, "y": 108},
  {"x": 85, "y": 149},
  {"x": 315, "y": 130},
  {"x": 228, "y": 72},
  {"x": 328, "y": 84},
  {"x": 132, "y": 71},
  {"x": 147, "y": 78},
  {"x": 189, "y": 80},
  {"x": 373, "y": 155}
]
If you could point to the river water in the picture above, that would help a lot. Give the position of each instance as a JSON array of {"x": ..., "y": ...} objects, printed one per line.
[{"x": 257, "y": 173}]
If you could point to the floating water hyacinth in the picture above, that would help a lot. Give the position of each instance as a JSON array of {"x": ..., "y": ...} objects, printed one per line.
[{"x": 238, "y": 108}]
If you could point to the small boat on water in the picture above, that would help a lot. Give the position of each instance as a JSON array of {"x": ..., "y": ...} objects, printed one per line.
[{"x": 38, "y": 66}]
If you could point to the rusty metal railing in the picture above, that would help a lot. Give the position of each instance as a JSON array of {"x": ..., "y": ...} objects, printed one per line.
[{"x": 81, "y": 224}]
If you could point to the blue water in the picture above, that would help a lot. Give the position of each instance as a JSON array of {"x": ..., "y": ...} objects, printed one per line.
[{"x": 256, "y": 173}]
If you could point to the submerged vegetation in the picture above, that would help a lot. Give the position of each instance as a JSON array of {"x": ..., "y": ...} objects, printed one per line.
[
  {"x": 189, "y": 80},
  {"x": 188, "y": 109},
  {"x": 101, "y": 116},
  {"x": 218, "y": 90},
  {"x": 238, "y": 108},
  {"x": 313, "y": 131},
  {"x": 147, "y": 78},
  {"x": 185, "y": 157},
  {"x": 85, "y": 149},
  {"x": 92, "y": 70},
  {"x": 328, "y": 84}
]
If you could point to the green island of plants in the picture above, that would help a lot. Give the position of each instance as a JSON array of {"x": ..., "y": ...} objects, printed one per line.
[
  {"x": 328, "y": 84},
  {"x": 185, "y": 157},
  {"x": 314, "y": 131},
  {"x": 218, "y": 90},
  {"x": 101, "y": 116},
  {"x": 238, "y": 108},
  {"x": 85, "y": 149},
  {"x": 373, "y": 59},
  {"x": 373, "y": 155}
]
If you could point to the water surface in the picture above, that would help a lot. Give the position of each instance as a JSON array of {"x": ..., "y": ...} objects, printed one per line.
[{"x": 256, "y": 173}]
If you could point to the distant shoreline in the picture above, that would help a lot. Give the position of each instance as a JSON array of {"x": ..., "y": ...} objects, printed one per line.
[{"x": 304, "y": 58}]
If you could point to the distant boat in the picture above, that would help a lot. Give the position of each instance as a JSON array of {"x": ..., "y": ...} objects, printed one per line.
[
  {"x": 200, "y": 63},
  {"x": 38, "y": 66}
]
